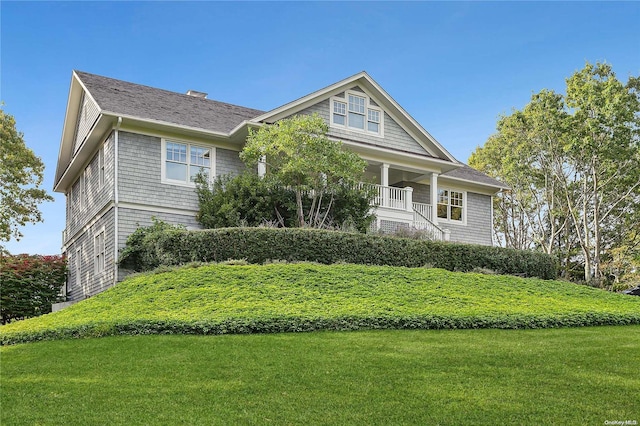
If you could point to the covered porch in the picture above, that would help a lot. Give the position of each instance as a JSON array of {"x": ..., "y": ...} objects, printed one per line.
[{"x": 405, "y": 199}]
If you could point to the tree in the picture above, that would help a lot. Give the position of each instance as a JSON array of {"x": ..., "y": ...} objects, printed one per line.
[
  {"x": 29, "y": 285},
  {"x": 602, "y": 180},
  {"x": 524, "y": 153},
  {"x": 299, "y": 155},
  {"x": 21, "y": 174},
  {"x": 572, "y": 162}
]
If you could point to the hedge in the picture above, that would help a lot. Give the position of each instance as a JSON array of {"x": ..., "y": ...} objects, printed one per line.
[{"x": 260, "y": 245}]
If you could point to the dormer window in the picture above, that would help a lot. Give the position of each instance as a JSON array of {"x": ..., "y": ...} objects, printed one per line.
[
  {"x": 356, "y": 112},
  {"x": 339, "y": 113}
]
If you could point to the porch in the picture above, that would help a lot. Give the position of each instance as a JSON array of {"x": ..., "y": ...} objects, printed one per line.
[
  {"x": 395, "y": 209},
  {"x": 405, "y": 198}
]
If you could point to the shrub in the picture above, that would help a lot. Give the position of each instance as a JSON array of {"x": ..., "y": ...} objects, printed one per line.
[
  {"x": 29, "y": 285},
  {"x": 245, "y": 199},
  {"x": 139, "y": 253},
  {"x": 248, "y": 200},
  {"x": 259, "y": 245}
]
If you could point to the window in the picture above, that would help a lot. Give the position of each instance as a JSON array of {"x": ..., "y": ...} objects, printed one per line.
[
  {"x": 450, "y": 205},
  {"x": 356, "y": 111},
  {"x": 78, "y": 268},
  {"x": 98, "y": 250},
  {"x": 84, "y": 186},
  {"x": 373, "y": 125},
  {"x": 101, "y": 165},
  {"x": 339, "y": 113},
  {"x": 75, "y": 207},
  {"x": 183, "y": 161},
  {"x": 69, "y": 202}
]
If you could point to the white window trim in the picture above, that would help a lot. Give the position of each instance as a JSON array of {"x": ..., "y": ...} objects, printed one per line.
[
  {"x": 78, "y": 267},
  {"x": 368, "y": 106},
  {"x": 163, "y": 160},
  {"x": 465, "y": 206},
  {"x": 84, "y": 195},
  {"x": 99, "y": 269}
]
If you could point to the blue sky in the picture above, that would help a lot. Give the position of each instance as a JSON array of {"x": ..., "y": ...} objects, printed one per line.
[{"x": 454, "y": 66}]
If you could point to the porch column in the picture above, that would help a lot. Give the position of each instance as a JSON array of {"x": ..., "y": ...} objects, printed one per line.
[
  {"x": 384, "y": 174},
  {"x": 384, "y": 181},
  {"x": 434, "y": 198},
  {"x": 408, "y": 198},
  {"x": 262, "y": 166}
]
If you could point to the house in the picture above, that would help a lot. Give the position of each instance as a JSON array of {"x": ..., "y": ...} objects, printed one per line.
[{"x": 128, "y": 153}]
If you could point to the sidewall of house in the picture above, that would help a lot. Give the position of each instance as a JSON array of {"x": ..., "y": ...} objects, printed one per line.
[
  {"x": 88, "y": 211},
  {"x": 87, "y": 281},
  {"x": 144, "y": 196},
  {"x": 478, "y": 213},
  {"x": 478, "y": 228}
]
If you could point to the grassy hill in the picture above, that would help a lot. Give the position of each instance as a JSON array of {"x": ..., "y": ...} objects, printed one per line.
[
  {"x": 219, "y": 299},
  {"x": 565, "y": 375}
]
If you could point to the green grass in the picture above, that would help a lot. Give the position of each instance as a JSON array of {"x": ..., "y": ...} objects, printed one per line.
[
  {"x": 219, "y": 299},
  {"x": 577, "y": 376}
]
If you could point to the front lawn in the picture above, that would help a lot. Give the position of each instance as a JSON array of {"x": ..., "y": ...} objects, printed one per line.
[{"x": 576, "y": 376}]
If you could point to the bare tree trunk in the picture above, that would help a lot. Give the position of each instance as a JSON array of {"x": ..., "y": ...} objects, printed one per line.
[
  {"x": 585, "y": 226},
  {"x": 596, "y": 229},
  {"x": 299, "y": 208}
]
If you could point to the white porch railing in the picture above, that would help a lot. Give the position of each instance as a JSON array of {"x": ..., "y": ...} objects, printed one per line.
[
  {"x": 423, "y": 223},
  {"x": 415, "y": 215},
  {"x": 391, "y": 197},
  {"x": 424, "y": 209}
]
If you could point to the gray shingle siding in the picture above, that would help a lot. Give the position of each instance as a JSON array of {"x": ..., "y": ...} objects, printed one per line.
[
  {"x": 478, "y": 229},
  {"x": 83, "y": 205},
  {"x": 395, "y": 137},
  {"x": 88, "y": 115},
  {"x": 228, "y": 162},
  {"x": 140, "y": 175},
  {"x": 91, "y": 283},
  {"x": 421, "y": 192}
]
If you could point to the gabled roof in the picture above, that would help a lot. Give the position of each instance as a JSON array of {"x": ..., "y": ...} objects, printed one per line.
[
  {"x": 123, "y": 98},
  {"x": 119, "y": 100},
  {"x": 372, "y": 88}
]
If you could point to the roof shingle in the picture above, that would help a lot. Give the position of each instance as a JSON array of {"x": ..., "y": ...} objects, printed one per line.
[
  {"x": 136, "y": 100},
  {"x": 121, "y": 97},
  {"x": 470, "y": 174}
]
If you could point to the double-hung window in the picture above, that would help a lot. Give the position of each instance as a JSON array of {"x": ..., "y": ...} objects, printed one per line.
[
  {"x": 356, "y": 111},
  {"x": 183, "y": 161},
  {"x": 98, "y": 252},
  {"x": 373, "y": 123},
  {"x": 451, "y": 205},
  {"x": 84, "y": 202},
  {"x": 339, "y": 113},
  {"x": 101, "y": 166}
]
